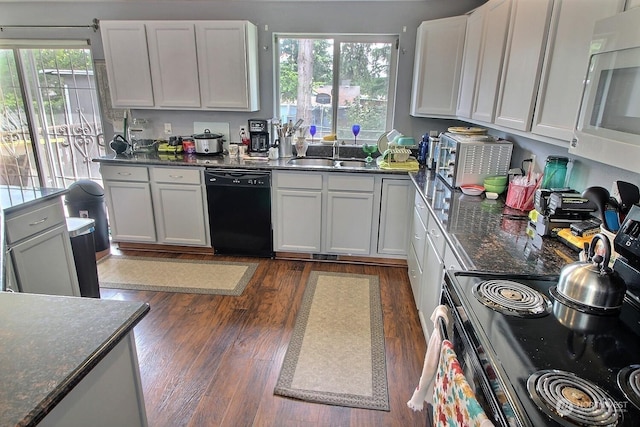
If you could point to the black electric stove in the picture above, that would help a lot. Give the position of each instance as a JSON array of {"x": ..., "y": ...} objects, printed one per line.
[{"x": 515, "y": 356}]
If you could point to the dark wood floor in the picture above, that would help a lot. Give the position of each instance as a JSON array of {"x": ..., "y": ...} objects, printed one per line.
[{"x": 214, "y": 360}]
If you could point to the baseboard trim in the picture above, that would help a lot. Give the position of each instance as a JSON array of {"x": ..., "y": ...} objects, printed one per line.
[
  {"x": 297, "y": 256},
  {"x": 164, "y": 248}
]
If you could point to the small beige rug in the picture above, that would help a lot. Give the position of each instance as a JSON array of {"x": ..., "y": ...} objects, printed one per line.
[
  {"x": 175, "y": 275},
  {"x": 336, "y": 355}
]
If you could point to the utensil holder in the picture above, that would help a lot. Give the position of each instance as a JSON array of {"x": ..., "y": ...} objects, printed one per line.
[
  {"x": 521, "y": 197},
  {"x": 285, "y": 148}
]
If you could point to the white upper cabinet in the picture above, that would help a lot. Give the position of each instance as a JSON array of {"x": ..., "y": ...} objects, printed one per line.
[
  {"x": 228, "y": 65},
  {"x": 472, "y": 45},
  {"x": 437, "y": 68},
  {"x": 173, "y": 59},
  {"x": 496, "y": 23},
  {"x": 523, "y": 63},
  {"x": 210, "y": 65},
  {"x": 565, "y": 64},
  {"x": 127, "y": 60}
]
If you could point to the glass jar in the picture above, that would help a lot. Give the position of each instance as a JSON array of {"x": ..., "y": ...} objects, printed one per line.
[{"x": 555, "y": 172}]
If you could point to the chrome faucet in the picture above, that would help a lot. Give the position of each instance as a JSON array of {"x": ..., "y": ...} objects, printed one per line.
[{"x": 336, "y": 149}]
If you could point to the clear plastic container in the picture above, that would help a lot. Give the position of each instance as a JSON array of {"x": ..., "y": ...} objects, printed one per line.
[{"x": 555, "y": 172}]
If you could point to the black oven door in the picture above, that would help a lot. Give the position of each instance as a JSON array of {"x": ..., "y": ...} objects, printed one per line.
[{"x": 478, "y": 370}]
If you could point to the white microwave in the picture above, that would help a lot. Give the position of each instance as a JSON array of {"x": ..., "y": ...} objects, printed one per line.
[{"x": 608, "y": 126}]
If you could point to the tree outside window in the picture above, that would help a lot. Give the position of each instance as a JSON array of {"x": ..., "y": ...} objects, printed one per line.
[{"x": 335, "y": 82}]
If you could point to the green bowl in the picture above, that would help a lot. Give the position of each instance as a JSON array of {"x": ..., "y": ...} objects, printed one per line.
[
  {"x": 496, "y": 180},
  {"x": 493, "y": 188}
]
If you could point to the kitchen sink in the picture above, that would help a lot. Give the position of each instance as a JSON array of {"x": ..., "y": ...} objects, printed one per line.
[
  {"x": 311, "y": 161},
  {"x": 350, "y": 163},
  {"x": 327, "y": 162}
]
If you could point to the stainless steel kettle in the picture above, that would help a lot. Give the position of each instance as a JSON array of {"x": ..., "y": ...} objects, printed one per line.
[{"x": 592, "y": 284}]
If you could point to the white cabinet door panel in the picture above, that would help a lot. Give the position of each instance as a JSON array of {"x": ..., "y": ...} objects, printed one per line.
[
  {"x": 565, "y": 64},
  {"x": 415, "y": 275},
  {"x": 173, "y": 59},
  {"x": 471, "y": 58},
  {"x": 349, "y": 218},
  {"x": 523, "y": 63},
  {"x": 396, "y": 210},
  {"x": 298, "y": 221},
  {"x": 495, "y": 31},
  {"x": 44, "y": 264},
  {"x": 437, "y": 68},
  {"x": 127, "y": 60},
  {"x": 130, "y": 211},
  {"x": 431, "y": 285},
  {"x": 179, "y": 213},
  {"x": 227, "y": 63}
]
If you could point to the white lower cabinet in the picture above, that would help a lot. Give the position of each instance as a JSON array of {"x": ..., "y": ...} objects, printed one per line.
[
  {"x": 130, "y": 211},
  {"x": 179, "y": 206},
  {"x": 396, "y": 208},
  {"x": 297, "y": 211},
  {"x": 40, "y": 251},
  {"x": 337, "y": 213},
  {"x": 297, "y": 220},
  {"x": 44, "y": 264},
  {"x": 432, "y": 276},
  {"x": 110, "y": 395},
  {"x": 160, "y": 205},
  {"x": 349, "y": 218},
  {"x": 349, "y": 214},
  {"x": 426, "y": 262}
]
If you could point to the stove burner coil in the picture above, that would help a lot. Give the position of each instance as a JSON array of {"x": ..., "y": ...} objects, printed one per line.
[
  {"x": 629, "y": 383},
  {"x": 572, "y": 401},
  {"x": 512, "y": 298}
]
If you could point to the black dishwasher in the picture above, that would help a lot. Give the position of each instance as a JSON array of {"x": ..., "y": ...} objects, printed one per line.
[{"x": 239, "y": 204}]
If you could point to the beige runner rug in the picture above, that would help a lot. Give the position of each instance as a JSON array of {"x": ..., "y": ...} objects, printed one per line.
[
  {"x": 336, "y": 355},
  {"x": 175, "y": 275}
]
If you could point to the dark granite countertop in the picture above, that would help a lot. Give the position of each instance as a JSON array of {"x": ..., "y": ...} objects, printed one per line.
[
  {"x": 224, "y": 161},
  {"x": 13, "y": 198},
  {"x": 49, "y": 343},
  {"x": 486, "y": 234}
]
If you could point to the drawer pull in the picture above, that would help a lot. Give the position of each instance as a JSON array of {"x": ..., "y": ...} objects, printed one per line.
[
  {"x": 176, "y": 176},
  {"x": 40, "y": 221},
  {"x": 433, "y": 232},
  {"x": 124, "y": 173},
  {"x": 415, "y": 236}
]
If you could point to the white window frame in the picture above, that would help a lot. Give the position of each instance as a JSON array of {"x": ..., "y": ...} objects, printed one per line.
[{"x": 394, "y": 39}]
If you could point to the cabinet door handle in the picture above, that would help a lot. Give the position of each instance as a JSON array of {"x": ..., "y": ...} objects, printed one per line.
[
  {"x": 433, "y": 233},
  {"x": 415, "y": 236},
  {"x": 124, "y": 173},
  {"x": 40, "y": 221}
]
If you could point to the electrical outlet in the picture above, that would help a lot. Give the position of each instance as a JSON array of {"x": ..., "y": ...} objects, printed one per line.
[
  {"x": 242, "y": 129},
  {"x": 167, "y": 128}
]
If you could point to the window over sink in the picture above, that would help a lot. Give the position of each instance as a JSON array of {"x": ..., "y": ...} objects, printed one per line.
[{"x": 335, "y": 82}]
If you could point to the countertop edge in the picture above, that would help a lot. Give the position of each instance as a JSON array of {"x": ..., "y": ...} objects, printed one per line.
[
  {"x": 62, "y": 389},
  {"x": 462, "y": 258},
  {"x": 54, "y": 193},
  {"x": 221, "y": 162}
]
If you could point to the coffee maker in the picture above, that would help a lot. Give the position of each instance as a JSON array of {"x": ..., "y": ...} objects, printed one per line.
[
  {"x": 259, "y": 137},
  {"x": 627, "y": 245}
]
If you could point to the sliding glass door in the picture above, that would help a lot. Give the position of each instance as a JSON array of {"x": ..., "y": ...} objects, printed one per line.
[{"x": 50, "y": 125}]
